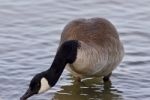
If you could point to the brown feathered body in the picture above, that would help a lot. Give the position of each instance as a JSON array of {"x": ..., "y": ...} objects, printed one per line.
[{"x": 100, "y": 47}]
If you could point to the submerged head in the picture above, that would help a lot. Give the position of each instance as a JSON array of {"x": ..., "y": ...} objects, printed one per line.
[{"x": 38, "y": 84}]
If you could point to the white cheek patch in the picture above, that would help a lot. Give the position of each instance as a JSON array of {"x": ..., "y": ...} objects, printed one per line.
[{"x": 44, "y": 85}]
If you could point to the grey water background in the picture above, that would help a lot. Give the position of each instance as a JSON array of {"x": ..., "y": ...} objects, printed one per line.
[{"x": 29, "y": 35}]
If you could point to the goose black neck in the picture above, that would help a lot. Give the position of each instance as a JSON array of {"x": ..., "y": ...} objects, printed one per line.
[{"x": 66, "y": 53}]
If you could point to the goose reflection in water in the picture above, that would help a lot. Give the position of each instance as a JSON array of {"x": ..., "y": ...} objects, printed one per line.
[{"x": 89, "y": 89}]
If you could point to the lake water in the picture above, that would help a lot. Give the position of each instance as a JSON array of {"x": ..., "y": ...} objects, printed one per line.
[{"x": 30, "y": 32}]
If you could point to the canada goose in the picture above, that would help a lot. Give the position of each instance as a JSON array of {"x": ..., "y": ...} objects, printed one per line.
[{"x": 88, "y": 47}]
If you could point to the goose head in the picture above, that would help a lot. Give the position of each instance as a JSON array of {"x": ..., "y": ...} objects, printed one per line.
[{"x": 38, "y": 84}]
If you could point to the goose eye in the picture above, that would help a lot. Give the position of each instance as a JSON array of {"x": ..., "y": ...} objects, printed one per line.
[{"x": 38, "y": 84}]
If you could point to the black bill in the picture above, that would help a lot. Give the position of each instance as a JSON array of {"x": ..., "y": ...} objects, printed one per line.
[{"x": 28, "y": 94}]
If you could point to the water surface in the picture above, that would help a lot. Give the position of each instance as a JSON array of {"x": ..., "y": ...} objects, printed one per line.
[{"x": 29, "y": 35}]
